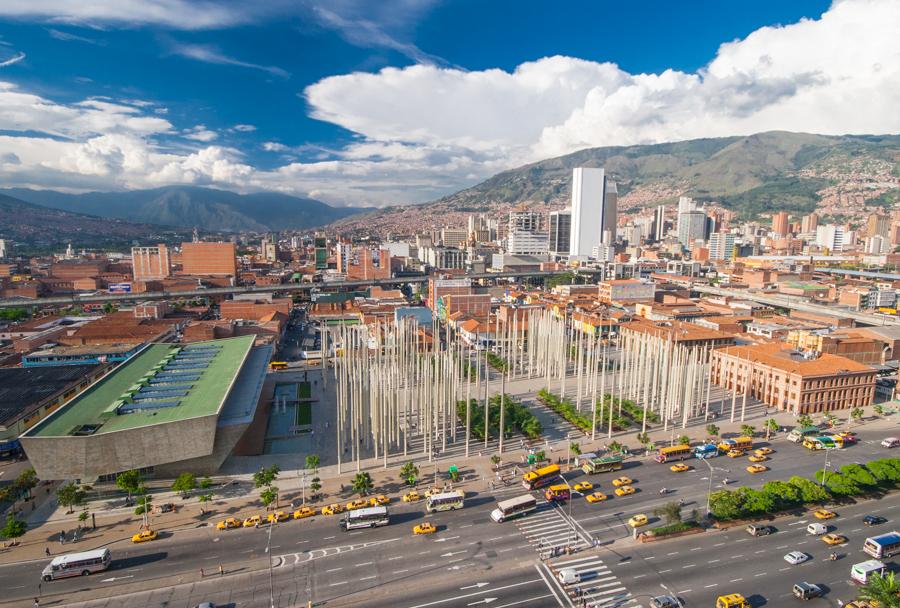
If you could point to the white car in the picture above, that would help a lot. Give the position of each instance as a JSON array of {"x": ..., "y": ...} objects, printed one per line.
[{"x": 796, "y": 557}]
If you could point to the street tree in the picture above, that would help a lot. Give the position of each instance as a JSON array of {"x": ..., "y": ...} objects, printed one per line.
[
  {"x": 830, "y": 419},
  {"x": 881, "y": 588},
  {"x": 748, "y": 430},
  {"x": 409, "y": 472},
  {"x": 495, "y": 460},
  {"x": 14, "y": 527},
  {"x": 878, "y": 409},
  {"x": 809, "y": 491},
  {"x": 883, "y": 471},
  {"x": 771, "y": 427},
  {"x": 575, "y": 448},
  {"x": 315, "y": 485},
  {"x": 266, "y": 476},
  {"x": 312, "y": 462},
  {"x": 838, "y": 484},
  {"x": 756, "y": 502},
  {"x": 26, "y": 482},
  {"x": 130, "y": 482},
  {"x": 684, "y": 440},
  {"x": 83, "y": 517},
  {"x": 860, "y": 475},
  {"x": 269, "y": 496},
  {"x": 712, "y": 430},
  {"x": 804, "y": 420},
  {"x": 185, "y": 484},
  {"x": 362, "y": 483},
  {"x": 643, "y": 438},
  {"x": 856, "y": 414},
  {"x": 203, "y": 499},
  {"x": 783, "y": 493},
  {"x": 670, "y": 511},
  {"x": 206, "y": 483},
  {"x": 71, "y": 495},
  {"x": 725, "y": 504}
]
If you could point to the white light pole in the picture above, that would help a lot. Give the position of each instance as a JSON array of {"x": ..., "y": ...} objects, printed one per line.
[{"x": 709, "y": 485}]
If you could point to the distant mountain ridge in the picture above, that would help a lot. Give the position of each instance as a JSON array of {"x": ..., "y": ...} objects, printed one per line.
[
  {"x": 190, "y": 206},
  {"x": 40, "y": 228},
  {"x": 755, "y": 174}
]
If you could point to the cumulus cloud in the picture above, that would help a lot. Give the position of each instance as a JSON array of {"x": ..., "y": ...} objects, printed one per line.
[{"x": 200, "y": 133}]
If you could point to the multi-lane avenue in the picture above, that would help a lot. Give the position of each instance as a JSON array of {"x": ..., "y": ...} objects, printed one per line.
[{"x": 472, "y": 561}]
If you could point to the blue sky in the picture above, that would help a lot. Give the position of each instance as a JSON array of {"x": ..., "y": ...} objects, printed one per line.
[{"x": 401, "y": 101}]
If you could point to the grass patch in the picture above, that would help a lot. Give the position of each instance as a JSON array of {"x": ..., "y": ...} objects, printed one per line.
[{"x": 679, "y": 526}]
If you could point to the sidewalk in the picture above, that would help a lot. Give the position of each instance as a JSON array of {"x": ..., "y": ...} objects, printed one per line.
[{"x": 235, "y": 496}]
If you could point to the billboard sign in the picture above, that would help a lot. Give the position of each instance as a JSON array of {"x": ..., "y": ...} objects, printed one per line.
[{"x": 119, "y": 288}]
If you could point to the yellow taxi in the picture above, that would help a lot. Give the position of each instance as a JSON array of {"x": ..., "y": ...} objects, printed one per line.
[
  {"x": 597, "y": 496},
  {"x": 432, "y": 491},
  {"x": 228, "y": 524},
  {"x": 411, "y": 496},
  {"x": 732, "y": 600},
  {"x": 381, "y": 499},
  {"x": 679, "y": 468},
  {"x": 757, "y": 458},
  {"x": 622, "y": 481},
  {"x": 583, "y": 486},
  {"x": 735, "y": 453},
  {"x": 332, "y": 509},
  {"x": 757, "y": 468},
  {"x": 278, "y": 516},
  {"x": 824, "y": 514},
  {"x": 303, "y": 512},
  {"x": 624, "y": 491},
  {"x": 253, "y": 520},
  {"x": 763, "y": 451},
  {"x": 636, "y": 521},
  {"x": 144, "y": 536},
  {"x": 425, "y": 527},
  {"x": 359, "y": 503},
  {"x": 834, "y": 539}
]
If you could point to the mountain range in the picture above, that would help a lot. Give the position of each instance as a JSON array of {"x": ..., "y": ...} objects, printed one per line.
[
  {"x": 753, "y": 175},
  {"x": 37, "y": 229},
  {"x": 189, "y": 206}
]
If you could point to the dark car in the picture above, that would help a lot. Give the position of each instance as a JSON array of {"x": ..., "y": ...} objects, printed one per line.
[
  {"x": 873, "y": 520},
  {"x": 664, "y": 601},
  {"x": 806, "y": 591},
  {"x": 757, "y": 530}
]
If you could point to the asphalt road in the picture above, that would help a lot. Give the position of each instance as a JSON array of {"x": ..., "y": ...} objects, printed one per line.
[{"x": 389, "y": 567}]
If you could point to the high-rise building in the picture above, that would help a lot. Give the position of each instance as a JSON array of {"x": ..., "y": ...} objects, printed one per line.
[
  {"x": 268, "y": 249},
  {"x": 454, "y": 237},
  {"x": 3, "y": 249},
  {"x": 878, "y": 224},
  {"x": 320, "y": 242},
  {"x": 685, "y": 204},
  {"x": 721, "y": 246},
  {"x": 208, "y": 258},
  {"x": 831, "y": 237},
  {"x": 150, "y": 263},
  {"x": 560, "y": 232},
  {"x": 692, "y": 227},
  {"x": 780, "y": 224},
  {"x": 525, "y": 235},
  {"x": 877, "y": 245},
  {"x": 659, "y": 224},
  {"x": 594, "y": 201},
  {"x": 809, "y": 223}
]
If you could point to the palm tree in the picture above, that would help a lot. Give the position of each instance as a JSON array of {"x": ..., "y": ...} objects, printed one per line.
[
  {"x": 362, "y": 483},
  {"x": 882, "y": 589},
  {"x": 748, "y": 430},
  {"x": 712, "y": 430}
]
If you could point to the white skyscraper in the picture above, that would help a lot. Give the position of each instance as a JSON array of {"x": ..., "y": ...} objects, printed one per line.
[
  {"x": 525, "y": 235},
  {"x": 594, "y": 200},
  {"x": 831, "y": 236}
]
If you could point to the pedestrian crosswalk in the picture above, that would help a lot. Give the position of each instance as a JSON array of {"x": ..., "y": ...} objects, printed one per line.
[
  {"x": 551, "y": 532},
  {"x": 597, "y": 586}
]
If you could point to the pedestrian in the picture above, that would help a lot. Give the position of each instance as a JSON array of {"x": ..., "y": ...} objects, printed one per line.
[
  {"x": 37, "y": 603},
  {"x": 47, "y": 551},
  {"x": 62, "y": 536},
  {"x": 221, "y": 570}
]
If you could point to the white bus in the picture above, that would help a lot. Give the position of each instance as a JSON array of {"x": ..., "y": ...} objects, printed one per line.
[
  {"x": 445, "y": 502},
  {"x": 514, "y": 507},
  {"x": 861, "y": 572},
  {"x": 370, "y": 517},
  {"x": 77, "y": 564},
  {"x": 883, "y": 545}
]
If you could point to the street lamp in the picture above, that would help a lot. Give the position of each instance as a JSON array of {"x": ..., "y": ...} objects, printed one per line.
[
  {"x": 570, "y": 521},
  {"x": 271, "y": 572},
  {"x": 825, "y": 466},
  {"x": 709, "y": 485}
]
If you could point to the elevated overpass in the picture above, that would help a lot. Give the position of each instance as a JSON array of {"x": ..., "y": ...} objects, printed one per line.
[
  {"x": 289, "y": 288},
  {"x": 801, "y": 304}
]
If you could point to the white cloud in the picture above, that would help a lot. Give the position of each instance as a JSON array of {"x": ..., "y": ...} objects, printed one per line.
[
  {"x": 200, "y": 133},
  {"x": 244, "y": 128},
  {"x": 70, "y": 37},
  {"x": 14, "y": 59},
  {"x": 210, "y": 54},
  {"x": 274, "y": 146},
  {"x": 176, "y": 14}
]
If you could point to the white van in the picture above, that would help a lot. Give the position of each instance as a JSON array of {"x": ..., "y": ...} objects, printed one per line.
[
  {"x": 568, "y": 576},
  {"x": 817, "y": 529},
  {"x": 891, "y": 442}
]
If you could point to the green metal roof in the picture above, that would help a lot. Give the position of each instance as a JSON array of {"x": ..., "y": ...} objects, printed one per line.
[{"x": 205, "y": 397}]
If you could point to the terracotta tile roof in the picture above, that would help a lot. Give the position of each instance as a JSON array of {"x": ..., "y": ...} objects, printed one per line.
[{"x": 781, "y": 356}]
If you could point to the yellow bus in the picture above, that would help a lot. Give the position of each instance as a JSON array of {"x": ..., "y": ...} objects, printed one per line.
[
  {"x": 557, "y": 493},
  {"x": 673, "y": 452},
  {"x": 741, "y": 444},
  {"x": 278, "y": 365},
  {"x": 540, "y": 477}
]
